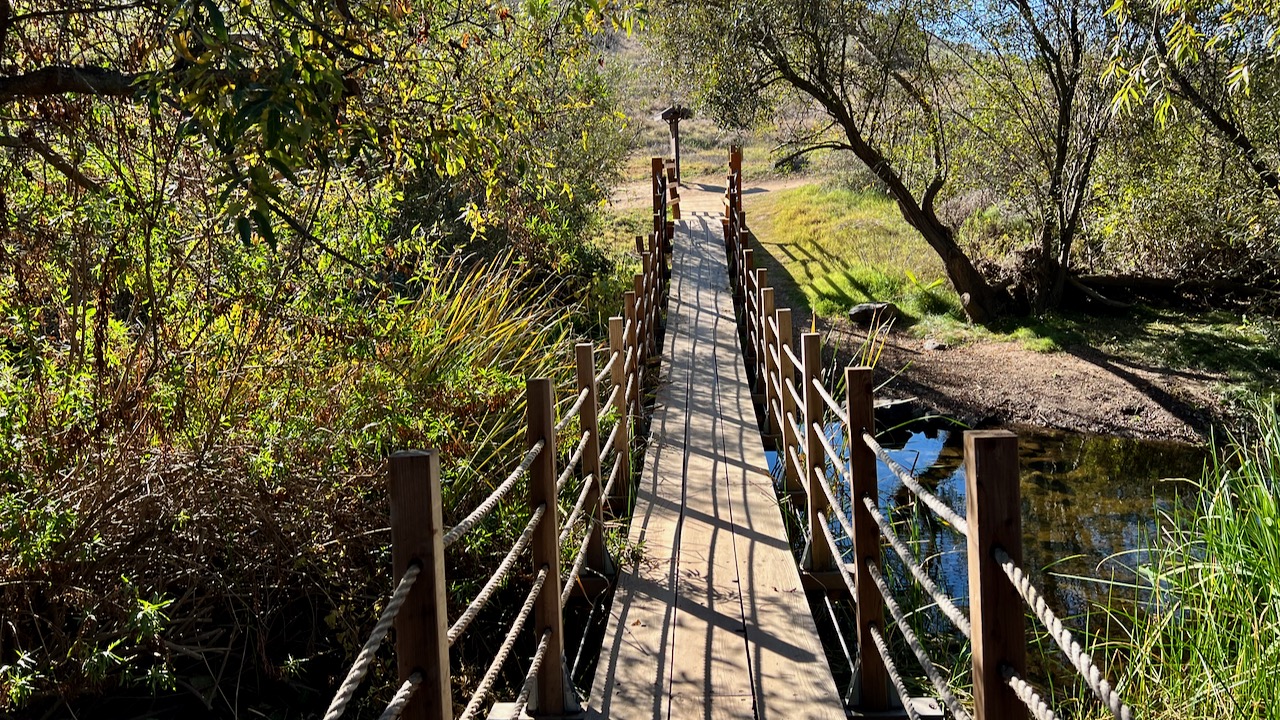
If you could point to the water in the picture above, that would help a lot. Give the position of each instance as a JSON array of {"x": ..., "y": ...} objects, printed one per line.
[{"x": 1089, "y": 505}]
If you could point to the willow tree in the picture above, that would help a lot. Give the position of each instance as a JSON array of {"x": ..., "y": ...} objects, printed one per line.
[{"x": 910, "y": 88}]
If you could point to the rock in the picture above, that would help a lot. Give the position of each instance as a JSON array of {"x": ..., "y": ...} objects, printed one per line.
[
  {"x": 932, "y": 344},
  {"x": 867, "y": 313}
]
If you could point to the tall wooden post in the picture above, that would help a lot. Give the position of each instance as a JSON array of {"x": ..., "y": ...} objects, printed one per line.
[
  {"x": 815, "y": 465},
  {"x": 771, "y": 397},
  {"x": 422, "y": 627},
  {"x": 761, "y": 321},
  {"x": 787, "y": 371},
  {"x": 993, "y": 508},
  {"x": 622, "y": 445},
  {"x": 589, "y": 419},
  {"x": 642, "y": 313},
  {"x": 554, "y": 694},
  {"x": 632, "y": 339},
  {"x": 860, "y": 404}
]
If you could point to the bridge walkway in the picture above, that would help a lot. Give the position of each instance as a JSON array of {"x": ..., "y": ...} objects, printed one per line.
[{"x": 709, "y": 619}]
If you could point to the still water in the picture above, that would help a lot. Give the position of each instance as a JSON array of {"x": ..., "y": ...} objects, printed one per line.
[{"x": 1089, "y": 505}]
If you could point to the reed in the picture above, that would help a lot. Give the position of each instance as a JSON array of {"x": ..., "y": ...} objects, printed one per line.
[{"x": 1206, "y": 644}]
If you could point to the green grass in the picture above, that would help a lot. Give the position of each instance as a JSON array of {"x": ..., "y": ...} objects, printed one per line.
[
  {"x": 839, "y": 247},
  {"x": 831, "y": 248},
  {"x": 1207, "y": 645}
]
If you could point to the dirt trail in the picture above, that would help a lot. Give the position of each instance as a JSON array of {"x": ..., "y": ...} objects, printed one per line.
[{"x": 703, "y": 191}]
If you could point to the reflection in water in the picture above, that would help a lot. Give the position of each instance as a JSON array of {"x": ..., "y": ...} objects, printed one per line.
[{"x": 1089, "y": 503}]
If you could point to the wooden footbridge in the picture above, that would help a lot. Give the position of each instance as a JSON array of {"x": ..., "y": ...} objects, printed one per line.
[{"x": 711, "y": 614}]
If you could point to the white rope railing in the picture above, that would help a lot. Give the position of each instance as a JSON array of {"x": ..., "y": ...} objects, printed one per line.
[
  {"x": 578, "y": 562},
  {"x": 577, "y": 508},
  {"x": 940, "y": 598},
  {"x": 830, "y": 402},
  {"x": 500, "y": 659},
  {"x": 836, "y": 461},
  {"x": 491, "y": 502},
  {"x": 892, "y": 670},
  {"x": 401, "y": 698},
  {"x": 933, "y": 501},
  {"x": 607, "y": 369},
  {"x": 572, "y": 464},
  {"x": 608, "y": 444},
  {"x": 495, "y": 580},
  {"x": 1036, "y": 705},
  {"x": 1076, "y": 654},
  {"x": 613, "y": 476},
  {"x": 539, "y": 656},
  {"x": 573, "y": 411},
  {"x": 926, "y": 663},
  {"x": 361, "y": 665}
]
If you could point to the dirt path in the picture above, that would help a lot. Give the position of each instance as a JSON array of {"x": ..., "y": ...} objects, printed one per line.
[
  {"x": 1079, "y": 388},
  {"x": 636, "y": 195}
]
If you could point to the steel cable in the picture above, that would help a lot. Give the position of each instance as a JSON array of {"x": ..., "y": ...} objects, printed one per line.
[
  {"x": 401, "y": 698},
  {"x": 1036, "y": 705},
  {"x": 361, "y": 664},
  {"x": 933, "y": 501},
  {"x": 573, "y": 411},
  {"x": 940, "y": 598},
  {"x": 1077, "y": 655},
  {"x": 482, "y": 598},
  {"x": 491, "y": 502},
  {"x": 926, "y": 663},
  {"x": 573, "y": 461},
  {"x": 500, "y": 659}
]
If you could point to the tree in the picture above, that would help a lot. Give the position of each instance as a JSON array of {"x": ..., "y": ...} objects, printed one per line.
[
  {"x": 1039, "y": 115},
  {"x": 909, "y": 88},
  {"x": 871, "y": 69},
  {"x": 1216, "y": 57}
]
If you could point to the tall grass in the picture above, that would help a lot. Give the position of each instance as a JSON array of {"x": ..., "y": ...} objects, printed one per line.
[
  {"x": 220, "y": 536},
  {"x": 1207, "y": 645}
]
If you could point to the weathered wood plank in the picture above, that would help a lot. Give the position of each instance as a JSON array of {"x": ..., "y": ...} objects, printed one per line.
[{"x": 711, "y": 621}]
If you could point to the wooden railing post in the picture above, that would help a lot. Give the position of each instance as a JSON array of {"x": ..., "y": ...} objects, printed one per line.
[
  {"x": 632, "y": 341},
  {"x": 860, "y": 404},
  {"x": 642, "y": 312},
  {"x": 622, "y": 445},
  {"x": 993, "y": 505},
  {"x": 417, "y": 536},
  {"x": 786, "y": 371},
  {"x": 761, "y": 320},
  {"x": 589, "y": 420},
  {"x": 554, "y": 694},
  {"x": 770, "y": 367},
  {"x": 815, "y": 466}
]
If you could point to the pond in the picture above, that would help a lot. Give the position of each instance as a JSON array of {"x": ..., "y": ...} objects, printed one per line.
[{"x": 1089, "y": 505}]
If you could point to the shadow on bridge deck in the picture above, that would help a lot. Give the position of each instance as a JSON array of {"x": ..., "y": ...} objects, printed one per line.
[{"x": 711, "y": 620}]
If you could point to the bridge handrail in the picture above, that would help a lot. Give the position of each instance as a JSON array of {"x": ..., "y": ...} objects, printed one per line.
[
  {"x": 797, "y": 405},
  {"x": 419, "y": 538}
]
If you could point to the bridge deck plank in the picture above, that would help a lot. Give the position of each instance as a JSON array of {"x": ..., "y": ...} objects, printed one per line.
[{"x": 710, "y": 620}]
